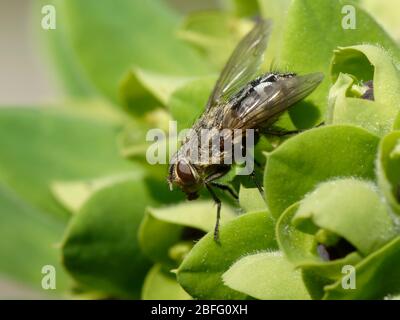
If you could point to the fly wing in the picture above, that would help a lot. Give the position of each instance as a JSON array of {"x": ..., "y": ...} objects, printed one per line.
[
  {"x": 271, "y": 99},
  {"x": 242, "y": 65}
]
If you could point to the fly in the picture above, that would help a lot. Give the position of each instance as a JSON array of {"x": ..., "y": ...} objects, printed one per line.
[{"x": 239, "y": 100}]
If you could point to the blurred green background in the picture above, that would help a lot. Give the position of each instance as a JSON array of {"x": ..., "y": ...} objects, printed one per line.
[{"x": 24, "y": 64}]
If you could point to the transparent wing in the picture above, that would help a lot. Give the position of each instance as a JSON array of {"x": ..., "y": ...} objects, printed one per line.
[
  {"x": 262, "y": 107},
  {"x": 242, "y": 65}
]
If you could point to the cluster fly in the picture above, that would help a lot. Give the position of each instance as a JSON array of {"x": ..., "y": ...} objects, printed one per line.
[{"x": 239, "y": 100}]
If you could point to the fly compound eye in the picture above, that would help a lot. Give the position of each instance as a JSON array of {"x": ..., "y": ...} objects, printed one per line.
[{"x": 184, "y": 173}]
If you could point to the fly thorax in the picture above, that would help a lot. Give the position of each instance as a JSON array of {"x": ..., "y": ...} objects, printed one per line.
[{"x": 262, "y": 88}]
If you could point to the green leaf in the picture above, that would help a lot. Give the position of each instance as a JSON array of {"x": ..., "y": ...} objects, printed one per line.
[
  {"x": 42, "y": 145},
  {"x": 380, "y": 67},
  {"x": 134, "y": 142},
  {"x": 266, "y": 276},
  {"x": 296, "y": 245},
  {"x": 301, "y": 250},
  {"x": 110, "y": 38},
  {"x": 199, "y": 215},
  {"x": 337, "y": 99},
  {"x": 200, "y": 274},
  {"x": 28, "y": 243},
  {"x": 277, "y": 11},
  {"x": 388, "y": 169},
  {"x": 159, "y": 285},
  {"x": 299, "y": 164},
  {"x": 377, "y": 276},
  {"x": 375, "y": 117},
  {"x": 364, "y": 223},
  {"x": 386, "y": 15},
  {"x": 244, "y": 8},
  {"x": 142, "y": 91},
  {"x": 163, "y": 228},
  {"x": 156, "y": 238},
  {"x": 60, "y": 54},
  {"x": 74, "y": 194},
  {"x": 309, "y": 41},
  {"x": 250, "y": 199},
  {"x": 100, "y": 249},
  {"x": 214, "y": 34},
  {"x": 188, "y": 102}
]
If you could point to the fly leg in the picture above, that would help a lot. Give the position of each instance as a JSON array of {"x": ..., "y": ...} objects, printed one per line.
[
  {"x": 254, "y": 178},
  {"x": 282, "y": 133},
  {"x": 259, "y": 187},
  {"x": 225, "y": 188},
  {"x": 218, "y": 202}
]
